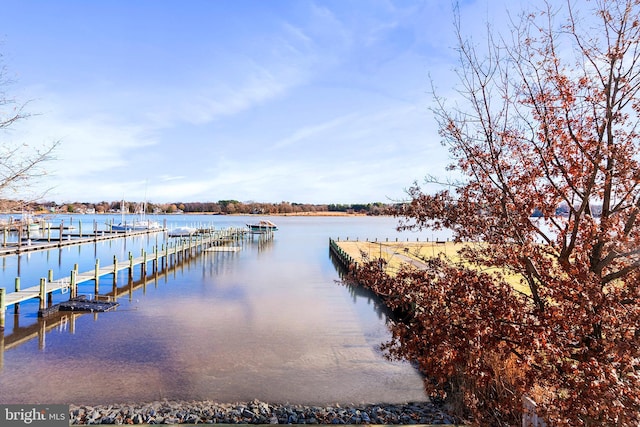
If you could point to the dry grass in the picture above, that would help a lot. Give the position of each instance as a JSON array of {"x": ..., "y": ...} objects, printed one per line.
[{"x": 397, "y": 253}]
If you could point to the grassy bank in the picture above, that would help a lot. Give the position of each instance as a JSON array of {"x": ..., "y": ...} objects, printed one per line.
[{"x": 415, "y": 253}]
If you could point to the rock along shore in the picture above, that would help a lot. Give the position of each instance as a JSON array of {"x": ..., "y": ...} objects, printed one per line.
[{"x": 256, "y": 412}]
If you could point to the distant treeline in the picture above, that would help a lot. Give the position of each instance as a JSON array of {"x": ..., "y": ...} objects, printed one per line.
[{"x": 219, "y": 207}]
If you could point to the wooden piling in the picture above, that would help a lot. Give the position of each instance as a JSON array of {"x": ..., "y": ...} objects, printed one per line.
[
  {"x": 155, "y": 258},
  {"x": 43, "y": 291},
  {"x": 73, "y": 285},
  {"x": 16, "y": 306},
  {"x": 50, "y": 294},
  {"x": 115, "y": 270},
  {"x": 166, "y": 254},
  {"x": 130, "y": 265},
  {"x": 97, "y": 277},
  {"x": 144, "y": 263}
]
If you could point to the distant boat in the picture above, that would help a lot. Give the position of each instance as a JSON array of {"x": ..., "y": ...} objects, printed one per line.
[
  {"x": 262, "y": 226},
  {"x": 32, "y": 223},
  {"x": 182, "y": 232},
  {"x": 139, "y": 224}
]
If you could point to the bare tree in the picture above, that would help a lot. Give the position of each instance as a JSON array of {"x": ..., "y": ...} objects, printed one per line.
[
  {"x": 547, "y": 308},
  {"x": 20, "y": 164}
]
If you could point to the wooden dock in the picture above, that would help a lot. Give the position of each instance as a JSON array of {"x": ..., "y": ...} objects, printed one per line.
[
  {"x": 42, "y": 243},
  {"x": 349, "y": 254},
  {"x": 168, "y": 253},
  {"x": 66, "y": 320}
]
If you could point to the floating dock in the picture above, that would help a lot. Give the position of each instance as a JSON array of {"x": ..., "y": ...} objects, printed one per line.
[{"x": 80, "y": 303}]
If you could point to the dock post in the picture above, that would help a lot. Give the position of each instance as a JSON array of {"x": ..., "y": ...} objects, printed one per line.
[
  {"x": 166, "y": 255},
  {"x": 144, "y": 263},
  {"x": 16, "y": 306},
  {"x": 97, "y": 278},
  {"x": 2, "y": 309},
  {"x": 73, "y": 285},
  {"x": 50, "y": 294},
  {"x": 155, "y": 257},
  {"x": 130, "y": 265},
  {"x": 43, "y": 291},
  {"x": 115, "y": 270},
  {"x": 174, "y": 258},
  {"x": 61, "y": 229},
  {"x": 4, "y": 241},
  {"x": 80, "y": 228}
]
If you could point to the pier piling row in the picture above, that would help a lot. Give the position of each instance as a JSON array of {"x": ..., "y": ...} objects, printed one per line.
[
  {"x": 346, "y": 261},
  {"x": 47, "y": 286}
]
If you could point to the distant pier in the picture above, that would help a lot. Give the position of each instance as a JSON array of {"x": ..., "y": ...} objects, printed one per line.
[{"x": 50, "y": 237}]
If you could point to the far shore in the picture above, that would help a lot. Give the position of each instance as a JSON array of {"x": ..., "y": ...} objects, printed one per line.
[
  {"x": 327, "y": 213},
  {"x": 320, "y": 213}
]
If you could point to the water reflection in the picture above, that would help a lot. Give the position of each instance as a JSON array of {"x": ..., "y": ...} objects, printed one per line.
[
  {"x": 63, "y": 321},
  {"x": 268, "y": 322}
]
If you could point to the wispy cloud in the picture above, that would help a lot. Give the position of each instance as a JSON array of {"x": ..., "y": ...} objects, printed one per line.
[
  {"x": 166, "y": 178},
  {"x": 292, "y": 86},
  {"x": 88, "y": 143},
  {"x": 313, "y": 131}
]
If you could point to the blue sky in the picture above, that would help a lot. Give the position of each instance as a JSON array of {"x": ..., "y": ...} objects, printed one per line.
[{"x": 264, "y": 100}]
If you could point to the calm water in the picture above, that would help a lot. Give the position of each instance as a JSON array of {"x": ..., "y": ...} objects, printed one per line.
[{"x": 268, "y": 322}]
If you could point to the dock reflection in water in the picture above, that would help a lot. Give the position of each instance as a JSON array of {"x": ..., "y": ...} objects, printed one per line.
[{"x": 268, "y": 322}]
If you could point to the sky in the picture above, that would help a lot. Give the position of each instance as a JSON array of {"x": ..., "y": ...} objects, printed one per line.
[{"x": 305, "y": 101}]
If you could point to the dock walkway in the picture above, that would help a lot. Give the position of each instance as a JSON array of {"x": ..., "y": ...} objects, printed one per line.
[
  {"x": 47, "y": 286},
  {"x": 46, "y": 243}
]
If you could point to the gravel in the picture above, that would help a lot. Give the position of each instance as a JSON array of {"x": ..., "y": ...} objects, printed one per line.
[{"x": 256, "y": 412}]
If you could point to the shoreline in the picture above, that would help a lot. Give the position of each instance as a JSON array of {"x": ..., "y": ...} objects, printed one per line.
[
  {"x": 321, "y": 213},
  {"x": 258, "y": 412}
]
